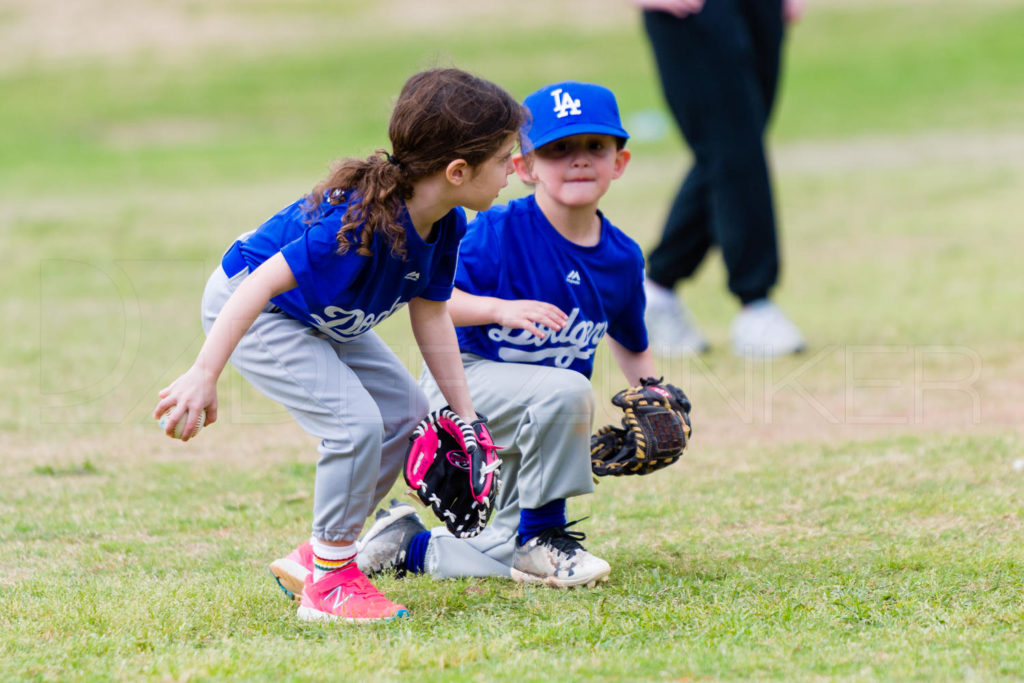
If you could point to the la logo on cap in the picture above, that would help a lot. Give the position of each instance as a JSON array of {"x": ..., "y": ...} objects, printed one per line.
[{"x": 565, "y": 104}]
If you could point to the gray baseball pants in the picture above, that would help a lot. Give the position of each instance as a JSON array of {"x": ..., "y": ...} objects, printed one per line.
[
  {"x": 541, "y": 417},
  {"x": 356, "y": 397}
]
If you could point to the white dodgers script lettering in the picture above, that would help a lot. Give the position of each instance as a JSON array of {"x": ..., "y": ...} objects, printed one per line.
[
  {"x": 342, "y": 325},
  {"x": 576, "y": 340}
]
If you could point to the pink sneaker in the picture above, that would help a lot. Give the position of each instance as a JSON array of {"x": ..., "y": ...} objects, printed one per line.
[
  {"x": 346, "y": 595},
  {"x": 291, "y": 572}
]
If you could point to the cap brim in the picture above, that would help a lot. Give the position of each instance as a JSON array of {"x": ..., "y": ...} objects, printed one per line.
[{"x": 577, "y": 129}]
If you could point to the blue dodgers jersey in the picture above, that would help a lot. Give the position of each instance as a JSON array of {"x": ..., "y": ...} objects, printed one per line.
[
  {"x": 344, "y": 295},
  {"x": 513, "y": 252}
]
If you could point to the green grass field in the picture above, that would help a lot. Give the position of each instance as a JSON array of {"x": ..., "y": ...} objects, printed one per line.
[{"x": 853, "y": 513}]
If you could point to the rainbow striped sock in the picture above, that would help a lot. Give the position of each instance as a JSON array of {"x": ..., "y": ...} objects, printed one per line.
[{"x": 330, "y": 558}]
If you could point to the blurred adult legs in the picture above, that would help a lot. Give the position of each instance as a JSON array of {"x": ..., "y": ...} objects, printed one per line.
[{"x": 719, "y": 72}]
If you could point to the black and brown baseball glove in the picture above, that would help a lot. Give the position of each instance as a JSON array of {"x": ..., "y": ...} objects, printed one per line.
[
  {"x": 453, "y": 468},
  {"x": 655, "y": 431}
]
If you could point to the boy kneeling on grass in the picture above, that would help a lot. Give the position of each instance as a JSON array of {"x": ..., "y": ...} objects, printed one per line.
[{"x": 540, "y": 282}]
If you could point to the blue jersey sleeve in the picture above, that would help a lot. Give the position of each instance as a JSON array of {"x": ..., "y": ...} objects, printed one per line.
[
  {"x": 628, "y": 327},
  {"x": 442, "y": 278},
  {"x": 479, "y": 258}
]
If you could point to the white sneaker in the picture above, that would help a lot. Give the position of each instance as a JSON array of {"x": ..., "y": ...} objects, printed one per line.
[
  {"x": 556, "y": 558},
  {"x": 671, "y": 330},
  {"x": 762, "y": 330}
]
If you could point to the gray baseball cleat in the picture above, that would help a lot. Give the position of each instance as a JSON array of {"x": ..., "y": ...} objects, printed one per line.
[
  {"x": 555, "y": 558},
  {"x": 385, "y": 546}
]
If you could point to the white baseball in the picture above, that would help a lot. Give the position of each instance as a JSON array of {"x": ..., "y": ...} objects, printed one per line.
[{"x": 179, "y": 429}]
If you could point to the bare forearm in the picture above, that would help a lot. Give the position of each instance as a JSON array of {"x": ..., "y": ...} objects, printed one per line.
[
  {"x": 238, "y": 314},
  {"x": 196, "y": 389},
  {"x": 680, "y": 8},
  {"x": 470, "y": 309},
  {"x": 435, "y": 335},
  {"x": 527, "y": 314},
  {"x": 633, "y": 365},
  {"x": 233, "y": 321}
]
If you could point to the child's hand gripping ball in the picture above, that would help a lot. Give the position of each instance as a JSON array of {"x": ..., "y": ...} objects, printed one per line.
[{"x": 179, "y": 429}]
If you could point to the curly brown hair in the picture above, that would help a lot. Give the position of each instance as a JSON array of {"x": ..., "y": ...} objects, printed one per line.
[{"x": 441, "y": 115}]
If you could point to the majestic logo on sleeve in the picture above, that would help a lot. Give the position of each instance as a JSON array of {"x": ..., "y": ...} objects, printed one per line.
[
  {"x": 577, "y": 340},
  {"x": 565, "y": 104},
  {"x": 343, "y": 325},
  {"x": 573, "y": 278}
]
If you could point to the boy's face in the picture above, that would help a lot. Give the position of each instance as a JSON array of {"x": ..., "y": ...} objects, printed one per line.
[{"x": 574, "y": 171}]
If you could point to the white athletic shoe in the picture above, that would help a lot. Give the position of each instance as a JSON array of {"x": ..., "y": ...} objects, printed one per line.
[
  {"x": 762, "y": 330},
  {"x": 556, "y": 558},
  {"x": 671, "y": 329}
]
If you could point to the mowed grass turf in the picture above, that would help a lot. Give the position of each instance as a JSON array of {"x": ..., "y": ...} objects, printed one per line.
[{"x": 852, "y": 513}]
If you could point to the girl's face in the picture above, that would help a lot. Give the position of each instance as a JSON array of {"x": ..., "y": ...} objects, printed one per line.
[
  {"x": 488, "y": 179},
  {"x": 575, "y": 171}
]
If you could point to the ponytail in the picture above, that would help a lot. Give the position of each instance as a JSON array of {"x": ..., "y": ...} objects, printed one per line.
[{"x": 375, "y": 188}]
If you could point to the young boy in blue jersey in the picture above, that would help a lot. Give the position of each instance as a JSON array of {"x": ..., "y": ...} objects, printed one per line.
[{"x": 540, "y": 282}]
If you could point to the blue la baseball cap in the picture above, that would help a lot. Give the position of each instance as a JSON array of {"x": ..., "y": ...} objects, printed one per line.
[{"x": 570, "y": 108}]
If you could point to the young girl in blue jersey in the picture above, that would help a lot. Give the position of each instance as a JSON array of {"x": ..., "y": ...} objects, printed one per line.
[
  {"x": 541, "y": 281},
  {"x": 293, "y": 304}
]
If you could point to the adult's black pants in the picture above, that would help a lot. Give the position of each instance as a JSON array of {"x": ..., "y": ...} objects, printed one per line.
[{"x": 719, "y": 70}]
